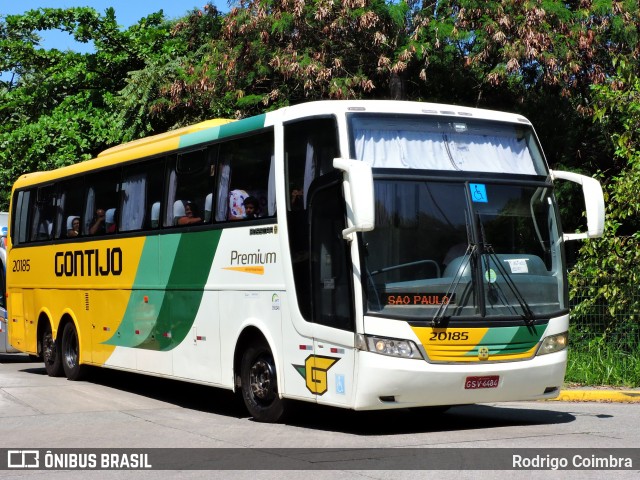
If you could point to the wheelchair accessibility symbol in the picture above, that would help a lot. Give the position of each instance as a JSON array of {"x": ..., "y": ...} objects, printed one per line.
[{"x": 478, "y": 192}]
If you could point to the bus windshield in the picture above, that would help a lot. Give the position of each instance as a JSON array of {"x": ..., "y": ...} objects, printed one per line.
[
  {"x": 445, "y": 144},
  {"x": 452, "y": 249}
]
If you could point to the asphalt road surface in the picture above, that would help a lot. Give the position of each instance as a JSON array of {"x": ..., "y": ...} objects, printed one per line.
[{"x": 119, "y": 410}]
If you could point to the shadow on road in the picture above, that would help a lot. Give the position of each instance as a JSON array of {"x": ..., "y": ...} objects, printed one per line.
[
  {"x": 15, "y": 358},
  {"x": 303, "y": 415},
  {"x": 407, "y": 421}
]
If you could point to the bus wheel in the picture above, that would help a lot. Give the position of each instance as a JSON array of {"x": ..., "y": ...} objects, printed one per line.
[
  {"x": 71, "y": 353},
  {"x": 51, "y": 354},
  {"x": 260, "y": 384}
]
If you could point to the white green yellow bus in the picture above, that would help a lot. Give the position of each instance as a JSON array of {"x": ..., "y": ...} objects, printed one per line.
[{"x": 359, "y": 254}]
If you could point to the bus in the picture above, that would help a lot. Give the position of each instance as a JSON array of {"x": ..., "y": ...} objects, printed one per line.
[
  {"x": 359, "y": 254},
  {"x": 5, "y": 346}
]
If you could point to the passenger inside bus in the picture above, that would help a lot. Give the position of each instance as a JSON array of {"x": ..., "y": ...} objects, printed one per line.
[
  {"x": 236, "y": 204},
  {"x": 73, "y": 226},
  {"x": 97, "y": 226},
  {"x": 191, "y": 214},
  {"x": 251, "y": 207},
  {"x": 297, "y": 199}
]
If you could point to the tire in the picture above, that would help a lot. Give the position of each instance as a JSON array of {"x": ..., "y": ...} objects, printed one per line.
[
  {"x": 260, "y": 384},
  {"x": 71, "y": 353},
  {"x": 51, "y": 354}
]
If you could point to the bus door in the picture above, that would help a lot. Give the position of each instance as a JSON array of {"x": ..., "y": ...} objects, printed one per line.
[
  {"x": 322, "y": 333},
  {"x": 331, "y": 294}
]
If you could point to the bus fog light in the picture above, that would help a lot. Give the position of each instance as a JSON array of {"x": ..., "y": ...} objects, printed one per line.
[
  {"x": 554, "y": 343},
  {"x": 392, "y": 347}
]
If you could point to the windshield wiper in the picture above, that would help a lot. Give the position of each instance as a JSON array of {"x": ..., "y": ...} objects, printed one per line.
[
  {"x": 442, "y": 308},
  {"x": 527, "y": 314}
]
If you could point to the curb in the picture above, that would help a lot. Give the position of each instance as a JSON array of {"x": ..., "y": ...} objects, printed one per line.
[{"x": 617, "y": 396}]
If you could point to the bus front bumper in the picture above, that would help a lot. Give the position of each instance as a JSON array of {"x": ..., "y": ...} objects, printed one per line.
[{"x": 387, "y": 382}]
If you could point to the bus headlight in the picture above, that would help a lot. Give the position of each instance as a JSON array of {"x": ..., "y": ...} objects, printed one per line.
[
  {"x": 392, "y": 347},
  {"x": 554, "y": 343}
]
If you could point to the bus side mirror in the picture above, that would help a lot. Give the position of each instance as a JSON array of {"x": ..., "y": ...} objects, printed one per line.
[
  {"x": 594, "y": 202},
  {"x": 358, "y": 188}
]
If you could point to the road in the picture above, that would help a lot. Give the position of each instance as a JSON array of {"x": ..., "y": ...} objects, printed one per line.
[{"x": 123, "y": 410}]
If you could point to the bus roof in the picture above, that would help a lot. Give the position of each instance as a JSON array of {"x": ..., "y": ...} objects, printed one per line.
[
  {"x": 143, "y": 147},
  {"x": 210, "y": 130},
  {"x": 398, "y": 107},
  {"x": 141, "y": 143}
]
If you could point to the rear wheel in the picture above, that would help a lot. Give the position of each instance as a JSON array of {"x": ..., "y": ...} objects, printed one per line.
[
  {"x": 71, "y": 353},
  {"x": 260, "y": 384},
  {"x": 51, "y": 354}
]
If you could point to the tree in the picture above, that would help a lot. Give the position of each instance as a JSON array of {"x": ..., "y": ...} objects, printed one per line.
[
  {"x": 607, "y": 272},
  {"x": 538, "y": 58},
  {"x": 535, "y": 57},
  {"x": 168, "y": 90},
  {"x": 55, "y": 106}
]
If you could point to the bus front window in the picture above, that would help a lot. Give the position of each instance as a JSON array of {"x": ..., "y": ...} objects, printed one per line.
[{"x": 463, "y": 249}]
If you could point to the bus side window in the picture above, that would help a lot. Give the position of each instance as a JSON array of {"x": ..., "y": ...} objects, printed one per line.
[
  {"x": 189, "y": 180},
  {"x": 310, "y": 146},
  {"x": 43, "y": 214},
  {"x": 70, "y": 200},
  {"x": 132, "y": 206},
  {"x": 103, "y": 193},
  {"x": 329, "y": 256},
  {"x": 246, "y": 171},
  {"x": 141, "y": 193}
]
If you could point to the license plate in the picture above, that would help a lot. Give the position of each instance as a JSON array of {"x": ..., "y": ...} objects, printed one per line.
[{"x": 489, "y": 381}]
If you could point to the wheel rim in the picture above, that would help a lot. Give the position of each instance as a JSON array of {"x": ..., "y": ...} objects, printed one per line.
[
  {"x": 48, "y": 348},
  {"x": 71, "y": 349},
  {"x": 262, "y": 380}
]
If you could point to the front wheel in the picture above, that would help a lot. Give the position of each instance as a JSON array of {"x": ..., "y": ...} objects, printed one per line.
[
  {"x": 71, "y": 353},
  {"x": 260, "y": 384},
  {"x": 51, "y": 354}
]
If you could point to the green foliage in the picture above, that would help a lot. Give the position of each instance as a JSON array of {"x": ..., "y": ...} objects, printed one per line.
[
  {"x": 606, "y": 277},
  {"x": 171, "y": 89},
  {"x": 63, "y": 137},
  {"x": 56, "y": 107},
  {"x": 599, "y": 364}
]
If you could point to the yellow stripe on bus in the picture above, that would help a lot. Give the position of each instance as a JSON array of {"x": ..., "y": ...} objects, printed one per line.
[{"x": 256, "y": 270}]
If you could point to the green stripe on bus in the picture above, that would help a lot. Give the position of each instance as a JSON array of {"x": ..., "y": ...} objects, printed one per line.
[
  {"x": 164, "y": 321},
  {"x": 227, "y": 130},
  {"x": 510, "y": 340}
]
